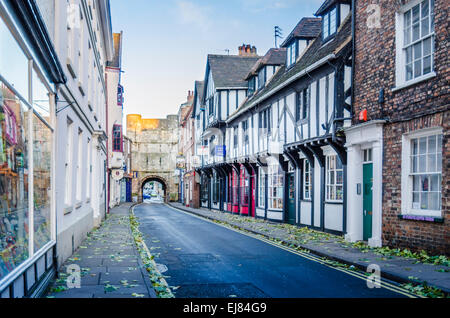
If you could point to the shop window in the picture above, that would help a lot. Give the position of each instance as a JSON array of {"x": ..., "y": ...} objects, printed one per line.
[
  {"x": 244, "y": 187},
  {"x": 14, "y": 225},
  {"x": 235, "y": 188},
  {"x": 13, "y": 62},
  {"x": 42, "y": 163},
  {"x": 216, "y": 187}
]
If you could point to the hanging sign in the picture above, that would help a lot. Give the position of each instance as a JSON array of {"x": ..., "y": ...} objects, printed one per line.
[{"x": 117, "y": 174}]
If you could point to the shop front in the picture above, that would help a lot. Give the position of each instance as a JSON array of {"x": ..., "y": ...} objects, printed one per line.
[{"x": 27, "y": 210}]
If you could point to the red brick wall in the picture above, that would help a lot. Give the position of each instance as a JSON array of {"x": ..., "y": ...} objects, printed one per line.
[{"x": 419, "y": 106}]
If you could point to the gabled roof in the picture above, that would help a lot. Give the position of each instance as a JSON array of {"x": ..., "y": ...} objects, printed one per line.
[
  {"x": 229, "y": 71},
  {"x": 327, "y": 4},
  {"x": 198, "y": 92},
  {"x": 307, "y": 28},
  {"x": 272, "y": 57},
  {"x": 315, "y": 54}
]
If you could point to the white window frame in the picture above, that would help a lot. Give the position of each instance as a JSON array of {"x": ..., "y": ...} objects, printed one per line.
[
  {"x": 407, "y": 176},
  {"x": 334, "y": 183},
  {"x": 400, "y": 58},
  {"x": 305, "y": 184},
  {"x": 261, "y": 188},
  {"x": 273, "y": 173}
]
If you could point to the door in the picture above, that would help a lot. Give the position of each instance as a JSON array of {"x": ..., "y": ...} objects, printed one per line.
[
  {"x": 367, "y": 200},
  {"x": 291, "y": 198}
]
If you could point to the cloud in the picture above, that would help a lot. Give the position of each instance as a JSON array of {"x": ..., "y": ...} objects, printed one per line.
[{"x": 193, "y": 14}]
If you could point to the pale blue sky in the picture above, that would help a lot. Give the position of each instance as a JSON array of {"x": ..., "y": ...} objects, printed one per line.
[{"x": 166, "y": 42}]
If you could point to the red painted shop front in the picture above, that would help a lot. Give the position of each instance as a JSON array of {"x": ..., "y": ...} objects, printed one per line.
[
  {"x": 234, "y": 191},
  {"x": 244, "y": 185}
]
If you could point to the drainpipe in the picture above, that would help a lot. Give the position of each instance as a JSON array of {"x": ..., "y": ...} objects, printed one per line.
[{"x": 108, "y": 173}]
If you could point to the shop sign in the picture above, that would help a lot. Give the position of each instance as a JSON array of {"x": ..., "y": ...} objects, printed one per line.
[
  {"x": 117, "y": 174},
  {"x": 220, "y": 151}
]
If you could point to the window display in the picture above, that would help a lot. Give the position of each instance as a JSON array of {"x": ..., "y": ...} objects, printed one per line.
[{"x": 14, "y": 230}]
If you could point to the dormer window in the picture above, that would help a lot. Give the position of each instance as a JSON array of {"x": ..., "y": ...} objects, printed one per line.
[
  {"x": 291, "y": 54},
  {"x": 251, "y": 86},
  {"x": 329, "y": 24},
  {"x": 261, "y": 78}
]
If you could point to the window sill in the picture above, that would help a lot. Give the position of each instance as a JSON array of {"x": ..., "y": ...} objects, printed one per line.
[
  {"x": 414, "y": 81},
  {"x": 334, "y": 202},
  {"x": 68, "y": 210},
  {"x": 424, "y": 218}
]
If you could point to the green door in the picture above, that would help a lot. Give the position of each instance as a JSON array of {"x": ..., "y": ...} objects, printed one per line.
[
  {"x": 367, "y": 200},
  {"x": 291, "y": 198}
]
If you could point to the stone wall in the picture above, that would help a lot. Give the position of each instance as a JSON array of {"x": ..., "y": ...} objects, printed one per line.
[{"x": 154, "y": 151}]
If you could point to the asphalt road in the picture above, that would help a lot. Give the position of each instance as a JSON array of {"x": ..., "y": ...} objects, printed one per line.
[{"x": 207, "y": 260}]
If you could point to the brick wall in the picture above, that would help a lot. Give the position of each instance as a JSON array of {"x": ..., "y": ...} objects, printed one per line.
[{"x": 415, "y": 107}]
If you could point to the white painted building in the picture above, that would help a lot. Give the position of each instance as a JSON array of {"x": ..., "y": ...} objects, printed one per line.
[
  {"x": 82, "y": 37},
  {"x": 114, "y": 123}
]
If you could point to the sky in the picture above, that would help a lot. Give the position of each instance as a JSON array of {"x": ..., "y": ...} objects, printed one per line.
[{"x": 165, "y": 43}]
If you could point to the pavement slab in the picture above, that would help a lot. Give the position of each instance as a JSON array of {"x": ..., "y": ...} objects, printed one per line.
[{"x": 109, "y": 262}]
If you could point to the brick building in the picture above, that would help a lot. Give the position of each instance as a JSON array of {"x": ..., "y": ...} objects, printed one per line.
[{"x": 401, "y": 107}]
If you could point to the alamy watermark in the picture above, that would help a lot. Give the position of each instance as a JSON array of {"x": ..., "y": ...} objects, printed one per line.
[{"x": 374, "y": 279}]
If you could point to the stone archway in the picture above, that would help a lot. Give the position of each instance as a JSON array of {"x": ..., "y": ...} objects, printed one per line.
[{"x": 161, "y": 180}]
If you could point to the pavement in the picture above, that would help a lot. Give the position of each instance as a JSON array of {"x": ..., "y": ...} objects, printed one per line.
[
  {"x": 109, "y": 262},
  {"x": 202, "y": 259},
  {"x": 398, "y": 269}
]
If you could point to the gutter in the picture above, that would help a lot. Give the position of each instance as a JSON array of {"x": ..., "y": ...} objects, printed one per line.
[{"x": 305, "y": 71}]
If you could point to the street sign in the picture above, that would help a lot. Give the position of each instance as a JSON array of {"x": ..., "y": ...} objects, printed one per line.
[{"x": 221, "y": 151}]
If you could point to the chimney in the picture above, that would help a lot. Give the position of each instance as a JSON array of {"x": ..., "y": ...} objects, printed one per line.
[
  {"x": 247, "y": 50},
  {"x": 190, "y": 96}
]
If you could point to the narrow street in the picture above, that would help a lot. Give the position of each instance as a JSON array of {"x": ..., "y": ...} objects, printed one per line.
[{"x": 207, "y": 260}]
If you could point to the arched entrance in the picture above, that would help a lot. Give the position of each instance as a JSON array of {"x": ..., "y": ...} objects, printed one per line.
[{"x": 153, "y": 189}]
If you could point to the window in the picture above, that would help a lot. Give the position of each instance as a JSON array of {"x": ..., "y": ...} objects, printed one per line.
[
  {"x": 244, "y": 186},
  {"x": 329, "y": 24},
  {"x": 245, "y": 134},
  {"x": 204, "y": 188},
  {"x": 251, "y": 86},
  {"x": 426, "y": 173},
  {"x": 291, "y": 54},
  {"x": 216, "y": 187},
  {"x": 117, "y": 138},
  {"x": 262, "y": 78},
  {"x": 235, "y": 188},
  {"x": 211, "y": 106},
  {"x": 264, "y": 128},
  {"x": 302, "y": 105},
  {"x": 307, "y": 184},
  {"x": 68, "y": 167},
  {"x": 275, "y": 186},
  {"x": 418, "y": 40},
  {"x": 334, "y": 179},
  {"x": 120, "y": 95},
  {"x": 80, "y": 184},
  {"x": 261, "y": 189}
]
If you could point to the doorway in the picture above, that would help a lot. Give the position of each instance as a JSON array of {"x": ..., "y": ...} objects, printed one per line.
[{"x": 367, "y": 194}]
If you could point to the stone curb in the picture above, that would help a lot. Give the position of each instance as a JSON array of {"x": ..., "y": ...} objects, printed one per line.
[{"x": 385, "y": 273}]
